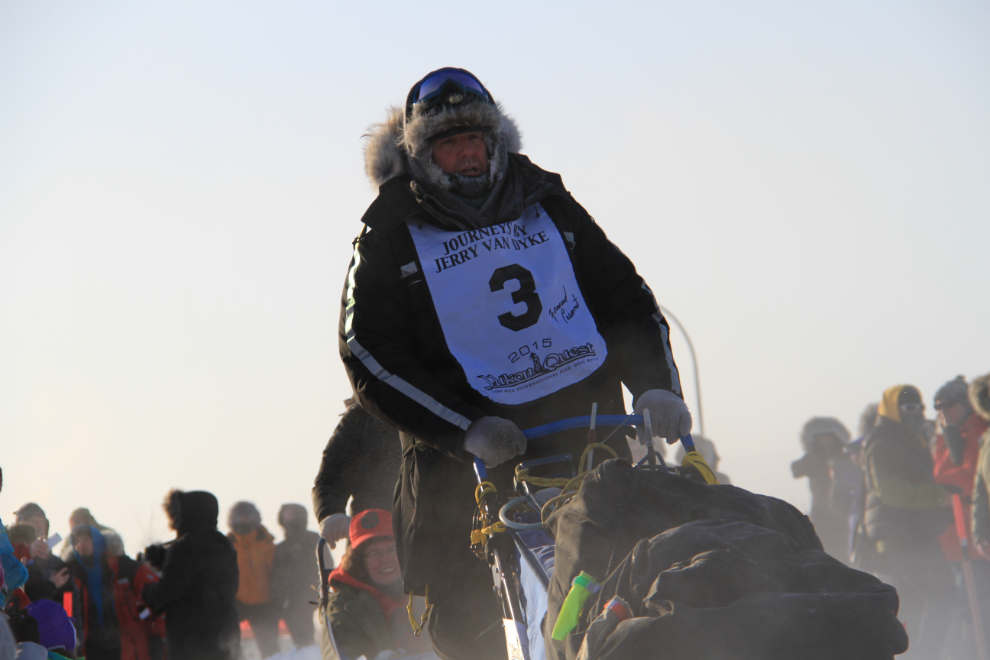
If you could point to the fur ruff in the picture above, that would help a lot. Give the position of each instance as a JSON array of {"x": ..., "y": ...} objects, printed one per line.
[
  {"x": 822, "y": 426},
  {"x": 979, "y": 396},
  {"x": 389, "y": 143}
]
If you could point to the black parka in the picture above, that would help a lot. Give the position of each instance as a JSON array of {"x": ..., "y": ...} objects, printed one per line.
[
  {"x": 198, "y": 586},
  {"x": 395, "y": 354},
  {"x": 362, "y": 460}
]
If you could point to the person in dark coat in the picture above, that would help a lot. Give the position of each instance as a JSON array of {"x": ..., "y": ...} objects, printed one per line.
[
  {"x": 295, "y": 576},
  {"x": 361, "y": 460},
  {"x": 833, "y": 479},
  {"x": 905, "y": 513},
  {"x": 482, "y": 299},
  {"x": 199, "y": 581}
]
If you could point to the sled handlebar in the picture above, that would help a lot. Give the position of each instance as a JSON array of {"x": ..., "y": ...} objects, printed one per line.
[{"x": 621, "y": 421}]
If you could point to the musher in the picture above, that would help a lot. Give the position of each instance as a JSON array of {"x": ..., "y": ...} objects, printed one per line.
[{"x": 483, "y": 299}]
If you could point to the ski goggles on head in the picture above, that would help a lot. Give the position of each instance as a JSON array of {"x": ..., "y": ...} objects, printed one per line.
[{"x": 447, "y": 86}]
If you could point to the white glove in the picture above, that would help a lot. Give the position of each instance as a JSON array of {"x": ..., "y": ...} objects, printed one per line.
[
  {"x": 494, "y": 440},
  {"x": 669, "y": 415},
  {"x": 335, "y": 527}
]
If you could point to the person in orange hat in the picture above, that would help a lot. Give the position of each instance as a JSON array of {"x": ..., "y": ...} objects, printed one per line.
[{"x": 366, "y": 608}]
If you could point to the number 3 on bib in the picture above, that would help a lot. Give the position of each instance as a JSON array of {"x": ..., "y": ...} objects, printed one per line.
[{"x": 526, "y": 294}]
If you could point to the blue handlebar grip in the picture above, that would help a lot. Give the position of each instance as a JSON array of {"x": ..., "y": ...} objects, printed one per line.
[
  {"x": 688, "y": 443},
  {"x": 479, "y": 469}
]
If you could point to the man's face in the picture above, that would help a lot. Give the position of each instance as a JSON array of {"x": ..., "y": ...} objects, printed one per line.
[
  {"x": 465, "y": 154},
  {"x": 950, "y": 413},
  {"x": 913, "y": 414},
  {"x": 243, "y": 526},
  {"x": 40, "y": 524},
  {"x": 84, "y": 546},
  {"x": 829, "y": 443}
]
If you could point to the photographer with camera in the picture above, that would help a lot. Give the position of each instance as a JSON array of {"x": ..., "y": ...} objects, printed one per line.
[{"x": 199, "y": 581}]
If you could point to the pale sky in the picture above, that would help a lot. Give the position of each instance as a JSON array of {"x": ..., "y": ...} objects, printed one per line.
[{"x": 805, "y": 185}]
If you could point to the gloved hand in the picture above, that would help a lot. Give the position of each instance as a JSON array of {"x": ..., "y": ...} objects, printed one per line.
[
  {"x": 335, "y": 527},
  {"x": 494, "y": 440},
  {"x": 669, "y": 415}
]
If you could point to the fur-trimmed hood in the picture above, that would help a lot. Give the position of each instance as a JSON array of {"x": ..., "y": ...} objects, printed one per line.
[
  {"x": 822, "y": 426},
  {"x": 979, "y": 396},
  {"x": 390, "y": 144}
]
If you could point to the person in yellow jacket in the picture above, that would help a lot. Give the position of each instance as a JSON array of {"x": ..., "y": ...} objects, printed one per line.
[
  {"x": 255, "y": 548},
  {"x": 906, "y": 510}
]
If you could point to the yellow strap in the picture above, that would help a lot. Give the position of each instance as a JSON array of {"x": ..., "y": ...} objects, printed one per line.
[{"x": 697, "y": 461}]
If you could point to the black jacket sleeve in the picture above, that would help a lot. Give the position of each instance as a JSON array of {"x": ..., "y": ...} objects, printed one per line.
[
  {"x": 361, "y": 459},
  {"x": 629, "y": 317},
  {"x": 377, "y": 346},
  {"x": 178, "y": 576}
]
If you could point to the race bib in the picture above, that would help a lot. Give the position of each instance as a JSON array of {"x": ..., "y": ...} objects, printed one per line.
[{"x": 510, "y": 308}]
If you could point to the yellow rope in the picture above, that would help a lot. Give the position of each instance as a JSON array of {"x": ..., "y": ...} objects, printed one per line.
[
  {"x": 483, "y": 489},
  {"x": 478, "y": 535},
  {"x": 697, "y": 461},
  {"x": 418, "y": 627}
]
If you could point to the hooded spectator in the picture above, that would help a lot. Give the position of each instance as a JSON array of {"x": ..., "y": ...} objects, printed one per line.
[
  {"x": 255, "y": 555},
  {"x": 361, "y": 460},
  {"x": 199, "y": 581},
  {"x": 101, "y": 630},
  {"x": 81, "y": 516},
  {"x": 109, "y": 589},
  {"x": 295, "y": 579},
  {"x": 366, "y": 608},
  {"x": 834, "y": 481},
  {"x": 905, "y": 513}
]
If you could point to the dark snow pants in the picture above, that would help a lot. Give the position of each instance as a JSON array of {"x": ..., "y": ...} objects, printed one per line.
[{"x": 466, "y": 620}]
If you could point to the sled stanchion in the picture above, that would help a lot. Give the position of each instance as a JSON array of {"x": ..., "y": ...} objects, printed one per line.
[
  {"x": 479, "y": 469},
  {"x": 591, "y": 436},
  {"x": 324, "y": 603},
  {"x": 651, "y": 452},
  {"x": 492, "y": 536},
  {"x": 967, "y": 565}
]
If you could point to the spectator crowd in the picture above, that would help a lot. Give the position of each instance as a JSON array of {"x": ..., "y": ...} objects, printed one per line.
[
  {"x": 184, "y": 599},
  {"x": 907, "y": 500}
]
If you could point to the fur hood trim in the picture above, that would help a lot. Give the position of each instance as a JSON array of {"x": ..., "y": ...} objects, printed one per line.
[
  {"x": 822, "y": 426},
  {"x": 979, "y": 396},
  {"x": 388, "y": 144}
]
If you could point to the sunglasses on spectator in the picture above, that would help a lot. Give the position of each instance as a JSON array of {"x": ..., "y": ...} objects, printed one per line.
[
  {"x": 944, "y": 405},
  {"x": 912, "y": 407}
]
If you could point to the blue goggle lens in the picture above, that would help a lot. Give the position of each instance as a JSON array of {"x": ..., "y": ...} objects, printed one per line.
[{"x": 435, "y": 82}]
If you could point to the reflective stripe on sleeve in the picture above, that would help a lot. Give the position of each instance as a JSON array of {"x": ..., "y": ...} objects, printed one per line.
[
  {"x": 675, "y": 378},
  {"x": 379, "y": 372}
]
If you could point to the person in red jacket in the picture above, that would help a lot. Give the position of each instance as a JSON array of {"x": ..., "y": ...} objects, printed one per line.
[
  {"x": 957, "y": 450},
  {"x": 109, "y": 589}
]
